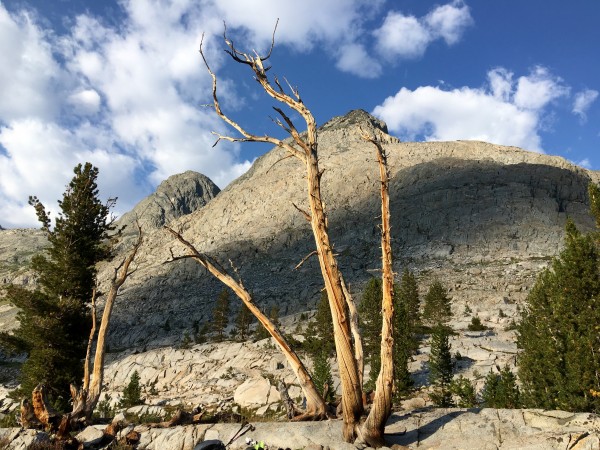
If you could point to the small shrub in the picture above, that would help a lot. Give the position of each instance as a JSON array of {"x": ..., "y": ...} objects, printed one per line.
[
  {"x": 476, "y": 325},
  {"x": 501, "y": 314},
  {"x": 467, "y": 310}
]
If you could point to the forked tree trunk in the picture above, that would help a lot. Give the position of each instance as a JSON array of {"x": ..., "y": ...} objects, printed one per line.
[
  {"x": 86, "y": 398},
  {"x": 315, "y": 405},
  {"x": 305, "y": 149},
  {"x": 372, "y": 431}
]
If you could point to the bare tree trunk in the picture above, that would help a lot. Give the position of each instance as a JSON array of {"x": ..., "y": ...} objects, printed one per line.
[
  {"x": 88, "y": 353},
  {"x": 372, "y": 431},
  {"x": 315, "y": 406},
  {"x": 86, "y": 398},
  {"x": 305, "y": 149}
]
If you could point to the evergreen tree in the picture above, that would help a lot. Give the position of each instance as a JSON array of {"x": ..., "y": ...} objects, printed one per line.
[
  {"x": 221, "y": 315},
  {"x": 559, "y": 336},
  {"x": 463, "y": 389},
  {"x": 319, "y": 333},
  {"x": 54, "y": 319},
  {"x": 406, "y": 318},
  {"x": 370, "y": 325},
  {"x": 500, "y": 390},
  {"x": 132, "y": 394},
  {"x": 243, "y": 320},
  {"x": 322, "y": 376},
  {"x": 437, "y": 305},
  {"x": 441, "y": 367}
]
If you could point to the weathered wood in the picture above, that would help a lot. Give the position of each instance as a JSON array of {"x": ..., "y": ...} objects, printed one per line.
[
  {"x": 372, "y": 430},
  {"x": 305, "y": 149},
  {"x": 27, "y": 417},
  {"x": 42, "y": 409},
  {"x": 316, "y": 408}
]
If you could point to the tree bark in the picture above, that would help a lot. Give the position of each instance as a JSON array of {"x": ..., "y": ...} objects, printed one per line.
[
  {"x": 372, "y": 431},
  {"x": 86, "y": 398},
  {"x": 315, "y": 406},
  {"x": 305, "y": 149}
]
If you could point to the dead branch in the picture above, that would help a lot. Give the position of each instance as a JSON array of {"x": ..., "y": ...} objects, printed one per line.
[
  {"x": 316, "y": 408},
  {"x": 313, "y": 253}
]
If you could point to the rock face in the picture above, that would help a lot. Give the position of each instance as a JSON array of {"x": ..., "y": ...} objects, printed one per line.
[
  {"x": 482, "y": 218},
  {"x": 177, "y": 196}
]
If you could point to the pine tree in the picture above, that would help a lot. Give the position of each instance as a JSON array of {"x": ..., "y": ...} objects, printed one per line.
[
  {"x": 437, "y": 305},
  {"x": 370, "y": 325},
  {"x": 406, "y": 317},
  {"x": 319, "y": 333},
  {"x": 54, "y": 319},
  {"x": 243, "y": 320},
  {"x": 559, "y": 362},
  {"x": 441, "y": 367},
  {"x": 221, "y": 315},
  {"x": 322, "y": 376},
  {"x": 132, "y": 394},
  {"x": 464, "y": 391},
  {"x": 500, "y": 390}
]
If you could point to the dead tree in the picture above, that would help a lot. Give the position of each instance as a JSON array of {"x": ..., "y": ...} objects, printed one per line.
[
  {"x": 315, "y": 405},
  {"x": 86, "y": 398},
  {"x": 373, "y": 429},
  {"x": 305, "y": 149}
]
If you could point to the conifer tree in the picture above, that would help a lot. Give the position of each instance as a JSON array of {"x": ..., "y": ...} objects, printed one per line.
[
  {"x": 221, "y": 315},
  {"x": 437, "y": 305},
  {"x": 243, "y": 320},
  {"x": 322, "y": 376},
  {"x": 441, "y": 367},
  {"x": 406, "y": 307},
  {"x": 559, "y": 362},
  {"x": 370, "y": 325},
  {"x": 500, "y": 390},
  {"x": 319, "y": 333},
  {"x": 54, "y": 319},
  {"x": 132, "y": 394}
]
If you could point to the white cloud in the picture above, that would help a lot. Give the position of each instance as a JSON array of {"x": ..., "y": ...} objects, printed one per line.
[
  {"x": 583, "y": 101},
  {"x": 585, "y": 162},
  {"x": 502, "y": 112},
  {"x": 538, "y": 89},
  {"x": 403, "y": 36},
  {"x": 356, "y": 60},
  {"x": 449, "y": 21},
  {"x": 28, "y": 73},
  {"x": 85, "y": 102}
]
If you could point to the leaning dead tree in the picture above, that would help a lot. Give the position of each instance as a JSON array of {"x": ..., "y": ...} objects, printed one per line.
[
  {"x": 343, "y": 311},
  {"x": 315, "y": 405},
  {"x": 85, "y": 399}
]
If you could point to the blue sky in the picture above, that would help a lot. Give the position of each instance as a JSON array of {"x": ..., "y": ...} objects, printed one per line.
[{"x": 121, "y": 84}]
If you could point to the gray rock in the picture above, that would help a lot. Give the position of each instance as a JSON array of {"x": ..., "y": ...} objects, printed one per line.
[{"x": 90, "y": 436}]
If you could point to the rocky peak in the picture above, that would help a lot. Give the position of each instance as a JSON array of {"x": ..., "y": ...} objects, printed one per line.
[
  {"x": 348, "y": 129},
  {"x": 177, "y": 196}
]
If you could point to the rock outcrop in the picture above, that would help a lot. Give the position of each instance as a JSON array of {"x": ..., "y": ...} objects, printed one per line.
[{"x": 482, "y": 218}]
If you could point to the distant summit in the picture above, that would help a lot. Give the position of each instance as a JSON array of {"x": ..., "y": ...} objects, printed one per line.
[{"x": 177, "y": 196}]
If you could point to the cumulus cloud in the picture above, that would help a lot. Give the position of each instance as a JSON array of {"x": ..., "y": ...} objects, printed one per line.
[
  {"x": 125, "y": 94},
  {"x": 356, "y": 60},
  {"x": 503, "y": 111},
  {"x": 405, "y": 36},
  {"x": 582, "y": 102}
]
